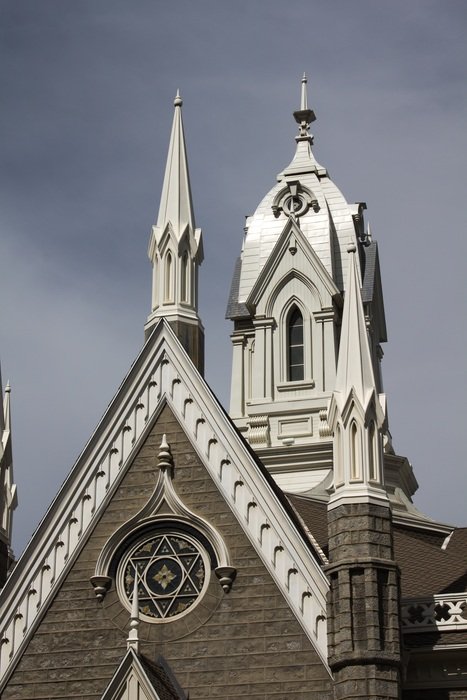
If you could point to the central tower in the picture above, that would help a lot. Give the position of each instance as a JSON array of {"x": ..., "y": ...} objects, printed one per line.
[{"x": 286, "y": 303}]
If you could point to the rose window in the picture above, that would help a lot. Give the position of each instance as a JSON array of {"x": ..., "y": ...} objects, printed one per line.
[{"x": 172, "y": 571}]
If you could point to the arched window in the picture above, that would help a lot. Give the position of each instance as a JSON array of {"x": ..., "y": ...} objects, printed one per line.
[
  {"x": 373, "y": 457},
  {"x": 354, "y": 453},
  {"x": 155, "y": 283},
  {"x": 295, "y": 359},
  {"x": 339, "y": 458},
  {"x": 184, "y": 278},
  {"x": 168, "y": 290}
]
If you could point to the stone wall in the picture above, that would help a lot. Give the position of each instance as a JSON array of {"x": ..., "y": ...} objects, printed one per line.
[{"x": 246, "y": 644}]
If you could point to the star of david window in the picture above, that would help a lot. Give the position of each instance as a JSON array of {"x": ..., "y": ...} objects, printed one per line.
[{"x": 172, "y": 571}]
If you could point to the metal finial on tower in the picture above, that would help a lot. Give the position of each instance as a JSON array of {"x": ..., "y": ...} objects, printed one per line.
[
  {"x": 178, "y": 100},
  {"x": 133, "y": 638},
  {"x": 304, "y": 116},
  {"x": 304, "y": 99}
]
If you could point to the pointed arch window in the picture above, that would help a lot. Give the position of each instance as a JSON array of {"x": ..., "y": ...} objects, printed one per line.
[
  {"x": 155, "y": 283},
  {"x": 373, "y": 455},
  {"x": 184, "y": 278},
  {"x": 354, "y": 452},
  {"x": 169, "y": 275},
  {"x": 339, "y": 458},
  {"x": 295, "y": 354}
]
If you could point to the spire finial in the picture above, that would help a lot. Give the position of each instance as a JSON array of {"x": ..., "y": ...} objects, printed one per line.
[
  {"x": 178, "y": 100},
  {"x": 304, "y": 116},
  {"x": 304, "y": 100},
  {"x": 165, "y": 459},
  {"x": 133, "y": 637}
]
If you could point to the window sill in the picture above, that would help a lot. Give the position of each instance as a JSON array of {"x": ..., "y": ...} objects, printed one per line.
[{"x": 293, "y": 386}]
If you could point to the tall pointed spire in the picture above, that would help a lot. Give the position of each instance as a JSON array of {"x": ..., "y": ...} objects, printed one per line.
[
  {"x": 176, "y": 250},
  {"x": 176, "y": 204},
  {"x": 355, "y": 415},
  {"x": 354, "y": 367}
]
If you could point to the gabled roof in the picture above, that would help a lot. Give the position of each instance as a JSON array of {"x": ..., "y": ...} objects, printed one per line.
[
  {"x": 162, "y": 374},
  {"x": 236, "y": 309},
  {"x": 292, "y": 239},
  {"x": 372, "y": 291},
  {"x": 137, "y": 677}
]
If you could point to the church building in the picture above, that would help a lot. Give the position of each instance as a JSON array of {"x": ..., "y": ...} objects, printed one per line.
[{"x": 269, "y": 552}]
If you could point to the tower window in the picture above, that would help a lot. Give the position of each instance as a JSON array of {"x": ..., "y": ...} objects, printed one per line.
[
  {"x": 354, "y": 453},
  {"x": 168, "y": 292},
  {"x": 373, "y": 457},
  {"x": 295, "y": 360},
  {"x": 184, "y": 278}
]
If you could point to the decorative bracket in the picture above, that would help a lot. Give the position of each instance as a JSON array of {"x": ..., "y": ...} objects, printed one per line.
[
  {"x": 226, "y": 576},
  {"x": 101, "y": 585}
]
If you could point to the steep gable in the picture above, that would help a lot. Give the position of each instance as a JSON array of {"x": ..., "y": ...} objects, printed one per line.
[
  {"x": 276, "y": 607},
  {"x": 293, "y": 256}
]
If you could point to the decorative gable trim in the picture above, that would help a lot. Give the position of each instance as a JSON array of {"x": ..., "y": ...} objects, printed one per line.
[
  {"x": 285, "y": 245},
  {"x": 162, "y": 372}
]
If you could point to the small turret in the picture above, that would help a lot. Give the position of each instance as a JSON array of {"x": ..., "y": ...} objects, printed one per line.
[
  {"x": 356, "y": 416},
  {"x": 363, "y": 609},
  {"x": 176, "y": 250}
]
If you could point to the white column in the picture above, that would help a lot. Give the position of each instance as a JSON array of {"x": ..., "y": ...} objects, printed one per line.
[{"x": 237, "y": 398}]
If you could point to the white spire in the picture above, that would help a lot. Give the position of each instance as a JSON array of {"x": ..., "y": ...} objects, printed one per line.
[
  {"x": 176, "y": 206},
  {"x": 355, "y": 415},
  {"x": 354, "y": 366},
  {"x": 176, "y": 251}
]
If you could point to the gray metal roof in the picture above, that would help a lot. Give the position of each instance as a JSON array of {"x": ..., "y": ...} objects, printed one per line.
[{"x": 235, "y": 309}]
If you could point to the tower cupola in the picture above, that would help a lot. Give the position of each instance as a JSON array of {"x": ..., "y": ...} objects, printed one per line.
[{"x": 286, "y": 303}]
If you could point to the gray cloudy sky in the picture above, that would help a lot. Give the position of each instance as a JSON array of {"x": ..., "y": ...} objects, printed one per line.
[{"x": 87, "y": 88}]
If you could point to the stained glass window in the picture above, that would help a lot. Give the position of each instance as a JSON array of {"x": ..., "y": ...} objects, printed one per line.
[{"x": 172, "y": 571}]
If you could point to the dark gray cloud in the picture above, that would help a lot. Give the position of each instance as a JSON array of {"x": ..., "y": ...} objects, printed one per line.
[{"x": 87, "y": 90}]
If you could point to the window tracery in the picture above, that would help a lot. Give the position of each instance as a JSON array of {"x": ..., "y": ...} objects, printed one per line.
[{"x": 172, "y": 570}]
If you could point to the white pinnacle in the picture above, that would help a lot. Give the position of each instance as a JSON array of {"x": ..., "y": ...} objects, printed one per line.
[
  {"x": 176, "y": 205},
  {"x": 354, "y": 366}
]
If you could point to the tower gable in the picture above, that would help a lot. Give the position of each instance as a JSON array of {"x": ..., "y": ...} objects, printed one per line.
[{"x": 292, "y": 256}]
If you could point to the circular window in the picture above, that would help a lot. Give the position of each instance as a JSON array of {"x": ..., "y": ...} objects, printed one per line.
[
  {"x": 295, "y": 205},
  {"x": 172, "y": 571}
]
